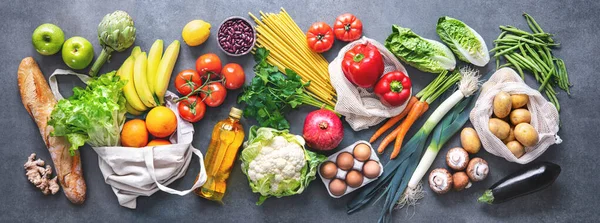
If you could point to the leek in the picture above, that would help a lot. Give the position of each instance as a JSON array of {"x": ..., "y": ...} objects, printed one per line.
[
  {"x": 396, "y": 173},
  {"x": 442, "y": 133}
]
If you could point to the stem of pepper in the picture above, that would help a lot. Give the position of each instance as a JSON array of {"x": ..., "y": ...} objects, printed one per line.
[
  {"x": 358, "y": 57},
  {"x": 396, "y": 86}
]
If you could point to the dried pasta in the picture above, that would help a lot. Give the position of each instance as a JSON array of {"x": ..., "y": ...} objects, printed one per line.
[{"x": 286, "y": 42}]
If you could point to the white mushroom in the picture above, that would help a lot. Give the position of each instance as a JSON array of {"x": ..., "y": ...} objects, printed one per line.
[
  {"x": 477, "y": 169},
  {"x": 440, "y": 180},
  {"x": 461, "y": 181},
  {"x": 457, "y": 158}
]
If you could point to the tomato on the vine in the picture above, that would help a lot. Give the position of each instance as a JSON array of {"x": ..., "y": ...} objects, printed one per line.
[
  {"x": 187, "y": 81},
  {"x": 319, "y": 37},
  {"x": 213, "y": 94},
  {"x": 234, "y": 76},
  {"x": 207, "y": 64},
  {"x": 347, "y": 27},
  {"x": 191, "y": 109}
]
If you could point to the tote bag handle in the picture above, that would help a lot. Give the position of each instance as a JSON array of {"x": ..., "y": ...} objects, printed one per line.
[{"x": 149, "y": 158}]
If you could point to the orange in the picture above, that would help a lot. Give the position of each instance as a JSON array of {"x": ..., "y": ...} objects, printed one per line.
[
  {"x": 161, "y": 122},
  {"x": 134, "y": 133},
  {"x": 159, "y": 142}
]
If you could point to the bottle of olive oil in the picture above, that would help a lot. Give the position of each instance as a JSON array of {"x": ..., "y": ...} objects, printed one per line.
[{"x": 227, "y": 137}]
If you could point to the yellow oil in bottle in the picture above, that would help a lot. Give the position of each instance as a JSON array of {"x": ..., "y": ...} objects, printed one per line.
[{"x": 227, "y": 137}]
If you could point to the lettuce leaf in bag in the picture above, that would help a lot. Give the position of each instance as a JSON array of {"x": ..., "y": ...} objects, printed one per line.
[
  {"x": 94, "y": 115},
  {"x": 277, "y": 164}
]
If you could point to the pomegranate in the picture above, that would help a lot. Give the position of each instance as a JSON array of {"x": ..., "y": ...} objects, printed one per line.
[{"x": 323, "y": 130}]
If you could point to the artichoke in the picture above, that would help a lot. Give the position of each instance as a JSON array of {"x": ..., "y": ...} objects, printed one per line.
[{"x": 116, "y": 32}]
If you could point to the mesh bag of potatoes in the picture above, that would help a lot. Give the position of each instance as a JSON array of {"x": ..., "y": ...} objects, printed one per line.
[{"x": 513, "y": 120}]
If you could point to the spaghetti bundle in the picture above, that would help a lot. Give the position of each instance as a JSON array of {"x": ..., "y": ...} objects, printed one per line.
[{"x": 288, "y": 49}]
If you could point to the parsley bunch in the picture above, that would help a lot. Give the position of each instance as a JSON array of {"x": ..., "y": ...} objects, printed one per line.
[{"x": 272, "y": 93}]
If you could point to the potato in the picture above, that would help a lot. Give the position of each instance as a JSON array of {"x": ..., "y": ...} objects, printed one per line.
[
  {"x": 511, "y": 136},
  {"x": 502, "y": 104},
  {"x": 520, "y": 115},
  {"x": 516, "y": 148},
  {"x": 519, "y": 100},
  {"x": 526, "y": 134},
  {"x": 470, "y": 140},
  {"x": 499, "y": 128}
]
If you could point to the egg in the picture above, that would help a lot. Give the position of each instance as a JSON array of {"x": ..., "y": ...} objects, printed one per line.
[
  {"x": 371, "y": 169},
  {"x": 328, "y": 170},
  {"x": 345, "y": 161},
  {"x": 337, "y": 187},
  {"x": 362, "y": 152},
  {"x": 354, "y": 178}
]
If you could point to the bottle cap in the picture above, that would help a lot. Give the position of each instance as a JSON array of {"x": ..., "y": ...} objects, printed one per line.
[{"x": 235, "y": 113}]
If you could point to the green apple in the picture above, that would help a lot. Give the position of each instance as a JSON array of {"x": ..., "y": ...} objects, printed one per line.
[
  {"x": 47, "y": 39},
  {"x": 77, "y": 52}
]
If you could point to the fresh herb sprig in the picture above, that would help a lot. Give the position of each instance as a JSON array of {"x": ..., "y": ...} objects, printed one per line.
[{"x": 271, "y": 93}]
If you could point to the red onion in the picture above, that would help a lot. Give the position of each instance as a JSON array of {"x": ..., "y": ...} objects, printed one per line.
[{"x": 323, "y": 130}]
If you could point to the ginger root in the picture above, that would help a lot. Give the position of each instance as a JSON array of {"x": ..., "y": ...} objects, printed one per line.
[{"x": 40, "y": 176}]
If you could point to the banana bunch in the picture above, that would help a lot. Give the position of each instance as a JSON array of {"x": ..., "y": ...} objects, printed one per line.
[{"x": 148, "y": 76}]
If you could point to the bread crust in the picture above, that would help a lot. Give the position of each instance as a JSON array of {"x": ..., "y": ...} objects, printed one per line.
[{"x": 39, "y": 103}]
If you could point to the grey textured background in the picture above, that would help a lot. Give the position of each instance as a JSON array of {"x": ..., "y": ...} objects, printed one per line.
[{"x": 573, "y": 198}]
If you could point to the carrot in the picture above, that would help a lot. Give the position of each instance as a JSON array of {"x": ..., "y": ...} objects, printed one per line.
[
  {"x": 389, "y": 138},
  {"x": 416, "y": 112},
  {"x": 392, "y": 121}
]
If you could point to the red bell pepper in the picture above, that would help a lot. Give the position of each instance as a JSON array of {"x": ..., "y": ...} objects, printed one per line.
[
  {"x": 393, "y": 89},
  {"x": 363, "y": 65}
]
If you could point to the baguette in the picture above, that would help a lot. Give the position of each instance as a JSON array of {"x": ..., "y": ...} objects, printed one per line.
[{"x": 39, "y": 103}]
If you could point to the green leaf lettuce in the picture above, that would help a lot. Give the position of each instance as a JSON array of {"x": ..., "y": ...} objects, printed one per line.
[{"x": 94, "y": 115}]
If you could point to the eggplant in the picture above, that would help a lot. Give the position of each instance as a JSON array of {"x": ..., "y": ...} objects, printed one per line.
[{"x": 529, "y": 179}]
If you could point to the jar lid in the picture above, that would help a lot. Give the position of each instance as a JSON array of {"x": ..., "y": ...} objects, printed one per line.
[{"x": 235, "y": 113}]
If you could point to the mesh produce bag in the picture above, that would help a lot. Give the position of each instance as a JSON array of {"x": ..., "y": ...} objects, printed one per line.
[
  {"x": 544, "y": 116},
  {"x": 360, "y": 106}
]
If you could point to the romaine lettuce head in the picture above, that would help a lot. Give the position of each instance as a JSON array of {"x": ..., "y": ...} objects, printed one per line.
[
  {"x": 467, "y": 44},
  {"x": 94, "y": 115},
  {"x": 277, "y": 164},
  {"x": 424, "y": 54}
]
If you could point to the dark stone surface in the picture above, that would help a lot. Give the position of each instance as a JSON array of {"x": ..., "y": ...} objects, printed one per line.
[{"x": 573, "y": 198}]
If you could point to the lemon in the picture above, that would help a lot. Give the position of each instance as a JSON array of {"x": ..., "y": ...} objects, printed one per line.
[{"x": 195, "y": 32}]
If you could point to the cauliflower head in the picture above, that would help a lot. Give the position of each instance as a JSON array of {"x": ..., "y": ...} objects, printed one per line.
[{"x": 277, "y": 164}]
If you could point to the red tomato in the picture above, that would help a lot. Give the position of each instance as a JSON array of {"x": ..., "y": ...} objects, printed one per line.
[
  {"x": 319, "y": 37},
  {"x": 234, "y": 76},
  {"x": 347, "y": 27},
  {"x": 187, "y": 81},
  {"x": 209, "y": 64},
  {"x": 214, "y": 94},
  {"x": 191, "y": 109}
]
